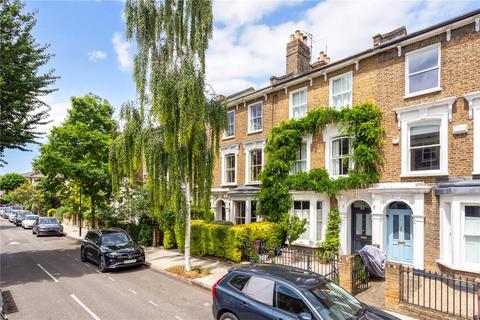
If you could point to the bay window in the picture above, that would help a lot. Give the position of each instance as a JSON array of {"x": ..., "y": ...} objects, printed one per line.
[
  {"x": 319, "y": 221},
  {"x": 472, "y": 234},
  {"x": 422, "y": 71},
  {"x": 301, "y": 209}
]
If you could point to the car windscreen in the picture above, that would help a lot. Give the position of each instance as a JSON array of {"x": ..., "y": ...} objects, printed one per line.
[
  {"x": 21, "y": 215},
  {"x": 47, "y": 221},
  {"x": 31, "y": 217},
  {"x": 336, "y": 303},
  {"x": 115, "y": 238}
]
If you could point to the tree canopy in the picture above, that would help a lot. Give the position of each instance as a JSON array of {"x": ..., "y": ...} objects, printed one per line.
[
  {"x": 22, "y": 83},
  {"x": 77, "y": 151},
  {"x": 11, "y": 181},
  {"x": 183, "y": 127}
]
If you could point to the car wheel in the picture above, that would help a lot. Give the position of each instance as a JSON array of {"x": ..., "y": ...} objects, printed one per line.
[
  {"x": 37, "y": 235},
  {"x": 102, "y": 265},
  {"x": 82, "y": 255},
  {"x": 228, "y": 316}
]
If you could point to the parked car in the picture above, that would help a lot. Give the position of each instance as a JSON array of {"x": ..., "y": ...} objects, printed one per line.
[
  {"x": 111, "y": 249},
  {"x": 3, "y": 315},
  {"x": 261, "y": 291},
  {"x": 45, "y": 226},
  {"x": 6, "y": 212},
  {"x": 29, "y": 221},
  {"x": 19, "y": 218},
  {"x": 12, "y": 216}
]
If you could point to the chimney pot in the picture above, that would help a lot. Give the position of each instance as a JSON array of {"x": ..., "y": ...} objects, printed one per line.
[{"x": 298, "y": 54}]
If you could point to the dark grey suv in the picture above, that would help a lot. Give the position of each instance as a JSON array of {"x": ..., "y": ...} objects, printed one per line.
[{"x": 261, "y": 292}]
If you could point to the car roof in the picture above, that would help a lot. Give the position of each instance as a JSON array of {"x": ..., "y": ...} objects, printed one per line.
[
  {"x": 294, "y": 276},
  {"x": 108, "y": 230}
]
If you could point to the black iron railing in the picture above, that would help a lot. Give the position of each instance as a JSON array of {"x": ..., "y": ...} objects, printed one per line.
[
  {"x": 452, "y": 295},
  {"x": 314, "y": 261}
]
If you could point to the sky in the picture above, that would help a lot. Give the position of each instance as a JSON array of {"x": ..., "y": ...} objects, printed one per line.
[{"x": 248, "y": 45}]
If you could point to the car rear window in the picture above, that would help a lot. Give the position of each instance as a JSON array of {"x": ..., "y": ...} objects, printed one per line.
[
  {"x": 239, "y": 281},
  {"x": 260, "y": 289}
]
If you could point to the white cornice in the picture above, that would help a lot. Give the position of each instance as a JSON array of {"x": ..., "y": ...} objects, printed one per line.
[
  {"x": 424, "y": 108},
  {"x": 470, "y": 97}
]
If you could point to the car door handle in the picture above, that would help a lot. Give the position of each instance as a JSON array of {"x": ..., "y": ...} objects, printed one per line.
[{"x": 244, "y": 304}]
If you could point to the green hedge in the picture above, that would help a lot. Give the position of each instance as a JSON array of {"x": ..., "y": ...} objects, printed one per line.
[{"x": 229, "y": 242}]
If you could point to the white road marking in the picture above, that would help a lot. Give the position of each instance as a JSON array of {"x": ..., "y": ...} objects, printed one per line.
[
  {"x": 132, "y": 291},
  {"x": 94, "y": 316},
  {"x": 152, "y": 303},
  {"x": 97, "y": 271},
  {"x": 110, "y": 278},
  {"x": 206, "y": 304},
  {"x": 49, "y": 274},
  {"x": 86, "y": 265},
  {"x": 177, "y": 317},
  {"x": 13, "y": 242}
]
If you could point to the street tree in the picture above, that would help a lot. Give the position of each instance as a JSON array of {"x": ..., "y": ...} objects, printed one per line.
[
  {"x": 11, "y": 181},
  {"x": 22, "y": 81},
  {"x": 169, "y": 71},
  {"x": 77, "y": 150}
]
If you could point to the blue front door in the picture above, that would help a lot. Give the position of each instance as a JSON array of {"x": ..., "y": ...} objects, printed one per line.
[{"x": 400, "y": 235}]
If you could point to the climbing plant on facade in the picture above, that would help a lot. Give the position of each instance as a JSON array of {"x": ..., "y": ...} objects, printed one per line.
[{"x": 362, "y": 123}]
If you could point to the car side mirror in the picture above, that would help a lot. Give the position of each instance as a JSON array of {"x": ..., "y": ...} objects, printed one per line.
[{"x": 304, "y": 316}]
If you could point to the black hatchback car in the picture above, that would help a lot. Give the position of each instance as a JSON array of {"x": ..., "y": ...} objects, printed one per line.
[
  {"x": 261, "y": 292},
  {"x": 111, "y": 249}
]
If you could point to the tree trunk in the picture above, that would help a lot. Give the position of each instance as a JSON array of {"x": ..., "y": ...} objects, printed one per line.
[
  {"x": 92, "y": 214},
  {"x": 155, "y": 236},
  {"x": 188, "y": 199}
]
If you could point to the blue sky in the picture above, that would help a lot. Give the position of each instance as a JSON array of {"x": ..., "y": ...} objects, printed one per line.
[{"x": 248, "y": 46}]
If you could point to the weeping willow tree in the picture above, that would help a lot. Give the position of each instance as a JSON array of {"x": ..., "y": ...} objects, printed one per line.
[{"x": 182, "y": 127}]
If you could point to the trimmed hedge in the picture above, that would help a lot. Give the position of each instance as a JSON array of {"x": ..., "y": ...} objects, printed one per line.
[{"x": 229, "y": 242}]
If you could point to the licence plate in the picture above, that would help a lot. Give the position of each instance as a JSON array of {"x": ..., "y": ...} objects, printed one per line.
[{"x": 130, "y": 261}]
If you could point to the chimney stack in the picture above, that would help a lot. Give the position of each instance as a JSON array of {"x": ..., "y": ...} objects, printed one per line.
[
  {"x": 298, "y": 54},
  {"x": 389, "y": 36},
  {"x": 322, "y": 60}
]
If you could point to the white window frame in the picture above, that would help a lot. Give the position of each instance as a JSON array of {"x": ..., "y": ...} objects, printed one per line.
[
  {"x": 439, "y": 111},
  {"x": 350, "y": 162},
  {"x": 410, "y": 148},
  {"x": 308, "y": 141},
  {"x": 224, "y": 151},
  {"x": 452, "y": 235},
  {"x": 228, "y": 124},
  {"x": 312, "y": 197},
  {"x": 473, "y": 100},
  {"x": 330, "y": 133},
  {"x": 330, "y": 89},
  {"x": 247, "y": 147},
  {"x": 290, "y": 101},
  {"x": 408, "y": 56},
  {"x": 250, "y": 126}
]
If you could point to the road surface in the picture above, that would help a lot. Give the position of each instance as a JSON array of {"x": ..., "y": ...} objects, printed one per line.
[{"x": 43, "y": 278}]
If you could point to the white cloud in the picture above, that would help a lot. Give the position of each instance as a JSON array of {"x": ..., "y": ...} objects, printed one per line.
[
  {"x": 244, "y": 52},
  {"x": 96, "y": 55},
  {"x": 57, "y": 114},
  {"x": 123, "y": 49}
]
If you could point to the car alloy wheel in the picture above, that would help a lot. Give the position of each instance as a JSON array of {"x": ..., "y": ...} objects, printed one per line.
[
  {"x": 228, "y": 316},
  {"x": 102, "y": 266}
]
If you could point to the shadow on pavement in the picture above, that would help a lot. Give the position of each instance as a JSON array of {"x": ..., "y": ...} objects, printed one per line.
[{"x": 9, "y": 303}]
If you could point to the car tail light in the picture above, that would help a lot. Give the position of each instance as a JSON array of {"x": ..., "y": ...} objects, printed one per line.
[{"x": 214, "y": 287}]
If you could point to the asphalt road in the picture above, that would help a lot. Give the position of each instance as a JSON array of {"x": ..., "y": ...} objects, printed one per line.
[{"x": 43, "y": 278}]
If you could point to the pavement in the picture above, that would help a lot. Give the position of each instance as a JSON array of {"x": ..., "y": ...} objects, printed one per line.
[
  {"x": 43, "y": 278},
  {"x": 160, "y": 259}
]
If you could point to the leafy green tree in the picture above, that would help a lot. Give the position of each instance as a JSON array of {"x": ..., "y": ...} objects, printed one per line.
[
  {"x": 29, "y": 196},
  {"x": 11, "y": 181},
  {"x": 22, "y": 83},
  {"x": 172, "y": 37},
  {"x": 293, "y": 227},
  {"x": 77, "y": 151}
]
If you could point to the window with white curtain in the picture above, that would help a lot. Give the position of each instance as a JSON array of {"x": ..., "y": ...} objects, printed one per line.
[
  {"x": 301, "y": 159},
  {"x": 341, "y": 90},
  {"x": 422, "y": 74},
  {"x": 319, "y": 221},
  {"x": 472, "y": 234},
  {"x": 298, "y": 103},
  {"x": 424, "y": 147},
  {"x": 340, "y": 156},
  {"x": 301, "y": 209},
  {"x": 255, "y": 122}
]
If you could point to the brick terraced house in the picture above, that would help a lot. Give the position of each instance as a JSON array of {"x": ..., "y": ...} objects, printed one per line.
[{"x": 425, "y": 211}]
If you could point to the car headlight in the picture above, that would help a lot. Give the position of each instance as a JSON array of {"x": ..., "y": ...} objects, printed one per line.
[{"x": 112, "y": 255}]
